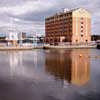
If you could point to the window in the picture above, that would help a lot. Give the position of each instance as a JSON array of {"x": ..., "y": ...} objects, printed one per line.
[
  {"x": 81, "y": 18},
  {"x": 76, "y": 40},
  {"x": 81, "y": 22},
  {"x": 86, "y": 40}
]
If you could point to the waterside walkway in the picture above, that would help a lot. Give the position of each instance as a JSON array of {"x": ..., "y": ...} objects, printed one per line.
[
  {"x": 20, "y": 48},
  {"x": 48, "y": 47},
  {"x": 70, "y": 47}
]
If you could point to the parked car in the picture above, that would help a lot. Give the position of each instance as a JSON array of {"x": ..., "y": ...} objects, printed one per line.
[{"x": 27, "y": 44}]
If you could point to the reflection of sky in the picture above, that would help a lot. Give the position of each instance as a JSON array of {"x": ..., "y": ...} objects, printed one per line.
[
  {"x": 15, "y": 59},
  {"x": 33, "y": 65},
  {"x": 24, "y": 73},
  {"x": 27, "y": 65}
]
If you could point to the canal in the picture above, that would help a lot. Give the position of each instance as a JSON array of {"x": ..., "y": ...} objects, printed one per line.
[{"x": 50, "y": 75}]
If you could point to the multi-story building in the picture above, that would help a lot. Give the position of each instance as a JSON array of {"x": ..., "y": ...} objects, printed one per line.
[{"x": 69, "y": 26}]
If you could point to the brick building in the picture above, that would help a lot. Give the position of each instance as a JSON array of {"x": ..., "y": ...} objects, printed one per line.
[{"x": 69, "y": 26}]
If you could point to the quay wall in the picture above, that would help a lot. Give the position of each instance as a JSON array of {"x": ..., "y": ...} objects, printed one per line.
[{"x": 71, "y": 47}]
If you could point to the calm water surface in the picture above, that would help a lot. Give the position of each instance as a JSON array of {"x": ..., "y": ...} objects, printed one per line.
[{"x": 50, "y": 75}]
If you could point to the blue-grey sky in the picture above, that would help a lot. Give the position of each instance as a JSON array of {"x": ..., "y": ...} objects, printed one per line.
[{"x": 29, "y": 15}]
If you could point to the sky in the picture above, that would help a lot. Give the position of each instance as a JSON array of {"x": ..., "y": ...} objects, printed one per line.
[{"x": 29, "y": 15}]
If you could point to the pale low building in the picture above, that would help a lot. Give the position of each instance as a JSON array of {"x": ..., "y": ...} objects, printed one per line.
[
  {"x": 72, "y": 26},
  {"x": 12, "y": 38}
]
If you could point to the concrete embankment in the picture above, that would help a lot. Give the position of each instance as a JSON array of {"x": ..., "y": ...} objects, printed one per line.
[
  {"x": 48, "y": 47},
  {"x": 69, "y": 47},
  {"x": 20, "y": 48}
]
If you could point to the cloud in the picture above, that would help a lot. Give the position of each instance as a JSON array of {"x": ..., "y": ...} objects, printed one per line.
[{"x": 29, "y": 15}]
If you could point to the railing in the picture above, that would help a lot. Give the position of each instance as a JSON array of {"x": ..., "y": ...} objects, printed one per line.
[{"x": 71, "y": 44}]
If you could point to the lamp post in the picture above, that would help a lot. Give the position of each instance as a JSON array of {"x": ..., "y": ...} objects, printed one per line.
[
  {"x": 20, "y": 41},
  {"x": 35, "y": 39}
]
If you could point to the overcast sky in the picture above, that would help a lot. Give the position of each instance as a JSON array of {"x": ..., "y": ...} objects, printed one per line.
[{"x": 29, "y": 15}]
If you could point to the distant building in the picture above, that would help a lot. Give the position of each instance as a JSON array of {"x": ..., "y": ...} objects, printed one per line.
[
  {"x": 95, "y": 37},
  {"x": 35, "y": 38},
  {"x": 69, "y": 26},
  {"x": 12, "y": 38},
  {"x": 2, "y": 38},
  {"x": 22, "y": 36}
]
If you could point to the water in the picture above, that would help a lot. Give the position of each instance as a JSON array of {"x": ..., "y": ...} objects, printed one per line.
[{"x": 50, "y": 75}]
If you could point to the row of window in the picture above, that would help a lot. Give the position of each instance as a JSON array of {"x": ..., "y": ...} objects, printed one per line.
[
  {"x": 59, "y": 16},
  {"x": 58, "y": 24},
  {"x": 85, "y": 40},
  {"x": 63, "y": 20},
  {"x": 61, "y": 23},
  {"x": 59, "y": 33},
  {"x": 82, "y": 26},
  {"x": 59, "y": 30},
  {"x": 59, "y": 27}
]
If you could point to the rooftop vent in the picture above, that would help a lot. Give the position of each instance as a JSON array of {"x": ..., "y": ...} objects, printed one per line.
[{"x": 66, "y": 10}]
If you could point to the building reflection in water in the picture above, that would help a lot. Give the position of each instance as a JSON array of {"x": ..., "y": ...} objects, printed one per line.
[
  {"x": 15, "y": 62},
  {"x": 72, "y": 66}
]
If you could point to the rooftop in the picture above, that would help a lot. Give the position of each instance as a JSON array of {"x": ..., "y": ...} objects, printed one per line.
[{"x": 65, "y": 10}]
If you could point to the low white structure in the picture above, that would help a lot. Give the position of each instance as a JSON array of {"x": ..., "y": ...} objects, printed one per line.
[{"x": 12, "y": 36}]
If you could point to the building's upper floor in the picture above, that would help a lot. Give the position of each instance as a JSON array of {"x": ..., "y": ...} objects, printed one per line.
[{"x": 79, "y": 12}]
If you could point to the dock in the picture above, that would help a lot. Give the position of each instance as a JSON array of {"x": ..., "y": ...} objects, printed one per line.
[
  {"x": 48, "y": 47},
  {"x": 20, "y": 48},
  {"x": 70, "y": 47}
]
